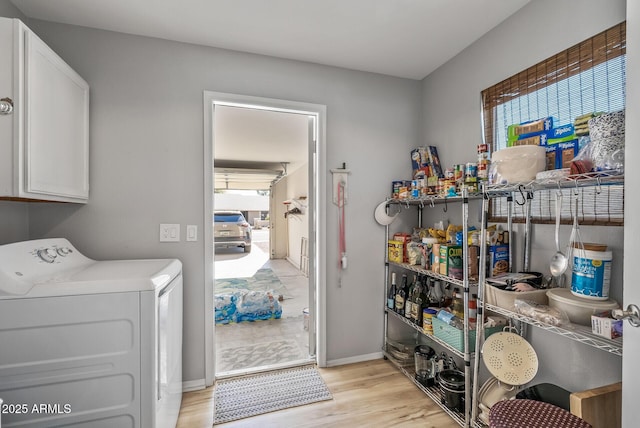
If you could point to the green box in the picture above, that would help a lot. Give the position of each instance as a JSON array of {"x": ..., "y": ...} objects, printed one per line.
[{"x": 455, "y": 338}]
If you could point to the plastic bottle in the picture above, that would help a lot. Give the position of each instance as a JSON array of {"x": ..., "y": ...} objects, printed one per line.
[{"x": 450, "y": 319}]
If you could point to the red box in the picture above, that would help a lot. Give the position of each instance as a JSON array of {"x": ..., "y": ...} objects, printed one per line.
[{"x": 405, "y": 238}]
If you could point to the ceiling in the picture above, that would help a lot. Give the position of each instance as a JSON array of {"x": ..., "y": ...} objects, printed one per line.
[
  {"x": 242, "y": 135},
  {"x": 401, "y": 38}
]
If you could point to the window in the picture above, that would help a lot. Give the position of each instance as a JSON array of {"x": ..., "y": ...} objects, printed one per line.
[{"x": 588, "y": 77}]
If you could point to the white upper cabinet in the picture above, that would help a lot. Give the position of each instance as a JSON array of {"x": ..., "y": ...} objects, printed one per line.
[{"x": 44, "y": 141}]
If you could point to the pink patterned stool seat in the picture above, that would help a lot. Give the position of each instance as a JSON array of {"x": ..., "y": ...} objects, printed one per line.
[{"x": 532, "y": 414}]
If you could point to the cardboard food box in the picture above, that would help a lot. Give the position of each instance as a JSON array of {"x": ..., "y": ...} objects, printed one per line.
[
  {"x": 405, "y": 238},
  {"x": 451, "y": 260},
  {"x": 498, "y": 260},
  {"x": 396, "y": 251},
  {"x": 529, "y": 128},
  {"x": 607, "y": 327}
]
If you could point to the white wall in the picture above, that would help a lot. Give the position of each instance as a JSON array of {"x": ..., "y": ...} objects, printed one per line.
[
  {"x": 451, "y": 120},
  {"x": 146, "y": 141},
  {"x": 298, "y": 224}
]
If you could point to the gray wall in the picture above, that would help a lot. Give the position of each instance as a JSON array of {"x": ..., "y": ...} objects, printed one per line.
[
  {"x": 451, "y": 119},
  {"x": 146, "y": 141}
]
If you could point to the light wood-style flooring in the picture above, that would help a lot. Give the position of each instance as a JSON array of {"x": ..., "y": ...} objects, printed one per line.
[{"x": 368, "y": 394}]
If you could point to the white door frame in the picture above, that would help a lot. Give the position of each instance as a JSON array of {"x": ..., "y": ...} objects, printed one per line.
[{"x": 317, "y": 267}]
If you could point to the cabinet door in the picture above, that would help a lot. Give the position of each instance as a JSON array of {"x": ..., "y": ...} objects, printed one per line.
[{"x": 56, "y": 125}]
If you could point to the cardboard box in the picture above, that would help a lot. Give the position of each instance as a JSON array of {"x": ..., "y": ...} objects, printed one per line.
[
  {"x": 451, "y": 261},
  {"x": 405, "y": 238},
  {"x": 560, "y": 155},
  {"x": 498, "y": 260},
  {"x": 534, "y": 140},
  {"x": 607, "y": 327},
  {"x": 420, "y": 163},
  {"x": 434, "y": 160},
  {"x": 395, "y": 250},
  {"x": 566, "y": 152},
  {"x": 529, "y": 128}
]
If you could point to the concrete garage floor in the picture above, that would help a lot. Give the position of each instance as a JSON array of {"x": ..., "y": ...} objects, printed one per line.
[{"x": 247, "y": 346}]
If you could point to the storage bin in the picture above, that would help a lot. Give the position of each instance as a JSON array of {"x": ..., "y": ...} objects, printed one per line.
[
  {"x": 455, "y": 338},
  {"x": 504, "y": 299}
]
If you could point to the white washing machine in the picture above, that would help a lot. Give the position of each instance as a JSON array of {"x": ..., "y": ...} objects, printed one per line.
[{"x": 88, "y": 343}]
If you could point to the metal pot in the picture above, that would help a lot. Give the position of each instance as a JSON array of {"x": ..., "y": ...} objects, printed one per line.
[{"x": 451, "y": 383}]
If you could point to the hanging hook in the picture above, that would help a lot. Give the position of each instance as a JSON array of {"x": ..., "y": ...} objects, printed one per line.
[
  {"x": 421, "y": 203},
  {"x": 445, "y": 205},
  {"x": 432, "y": 203},
  {"x": 598, "y": 185},
  {"x": 576, "y": 191},
  {"x": 524, "y": 197}
]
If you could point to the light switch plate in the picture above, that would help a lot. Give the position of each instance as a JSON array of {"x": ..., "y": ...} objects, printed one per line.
[
  {"x": 169, "y": 233},
  {"x": 192, "y": 232}
]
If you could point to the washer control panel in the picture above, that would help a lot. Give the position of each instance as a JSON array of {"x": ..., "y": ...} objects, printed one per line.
[
  {"x": 51, "y": 254},
  {"x": 23, "y": 264}
]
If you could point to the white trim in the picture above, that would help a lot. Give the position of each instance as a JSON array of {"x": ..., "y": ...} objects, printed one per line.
[
  {"x": 210, "y": 99},
  {"x": 193, "y": 385},
  {"x": 355, "y": 359}
]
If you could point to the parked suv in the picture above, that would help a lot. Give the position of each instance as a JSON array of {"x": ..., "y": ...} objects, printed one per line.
[{"x": 230, "y": 229}]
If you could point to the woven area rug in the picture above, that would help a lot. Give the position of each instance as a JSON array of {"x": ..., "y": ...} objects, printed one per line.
[{"x": 248, "y": 396}]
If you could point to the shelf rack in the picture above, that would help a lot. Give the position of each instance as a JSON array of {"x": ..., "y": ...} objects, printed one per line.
[
  {"x": 432, "y": 274},
  {"x": 603, "y": 178},
  {"x": 465, "y": 284},
  {"x": 432, "y": 392},
  {"x": 431, "y": 337},
  {"x": 578, "y": 333}
]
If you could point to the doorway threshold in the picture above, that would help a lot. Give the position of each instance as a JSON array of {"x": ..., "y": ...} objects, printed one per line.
[{"x": 267, "y": 368}]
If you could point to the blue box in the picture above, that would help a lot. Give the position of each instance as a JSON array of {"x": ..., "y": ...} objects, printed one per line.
[{"x": 553, "y": 161}]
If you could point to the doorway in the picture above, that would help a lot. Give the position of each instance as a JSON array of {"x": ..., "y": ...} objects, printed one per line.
[{"x": 286, "y": 240}]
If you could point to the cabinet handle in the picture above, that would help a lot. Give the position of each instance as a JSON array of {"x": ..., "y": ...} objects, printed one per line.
[
  {"x": 632, "y": 314},
  {"x": 6, "y": 106}
]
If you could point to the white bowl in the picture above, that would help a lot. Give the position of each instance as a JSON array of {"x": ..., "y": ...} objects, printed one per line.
[
  {"x": 578, "y": 309},
  {"x": 517, "y": 164}
]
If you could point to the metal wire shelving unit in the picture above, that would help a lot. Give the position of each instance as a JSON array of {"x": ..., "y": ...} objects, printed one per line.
[
  {"x": 581, "y": 334},
  {"x": 462, "y": 201}
]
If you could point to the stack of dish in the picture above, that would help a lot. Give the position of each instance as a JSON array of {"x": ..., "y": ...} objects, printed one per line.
[{"x": 512, "y": 362}]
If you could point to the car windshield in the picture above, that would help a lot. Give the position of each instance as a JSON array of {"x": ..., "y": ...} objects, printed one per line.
[{"x": 231, "y": 218}]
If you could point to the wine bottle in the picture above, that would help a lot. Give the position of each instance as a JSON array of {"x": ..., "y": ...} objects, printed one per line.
[
  {"x": 391, "y": 298},
  {"x": 401, "y": 294},
  {"x": 458, "y": 304},
  {"x": 420, "y": 302},
  {"x": 408, "y": 304}
]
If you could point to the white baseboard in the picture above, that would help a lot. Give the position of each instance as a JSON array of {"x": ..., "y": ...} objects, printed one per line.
[
  {"x": 356, "y": 359},
  {"x": 193, "y": 385}
]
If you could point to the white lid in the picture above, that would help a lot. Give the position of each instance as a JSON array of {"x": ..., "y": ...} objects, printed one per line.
[{"x": 564, "y": 295}]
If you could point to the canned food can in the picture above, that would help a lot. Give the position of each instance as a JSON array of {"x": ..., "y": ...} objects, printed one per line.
[
  {"x": 395, "y": 188},
  {"x": 471, "y": 170},
  {"x": 427, "y": 320},
  {"x": 458, "y": 171},
  {"x": 449, "y": 173},
  {"x": 483, "y": 170}
]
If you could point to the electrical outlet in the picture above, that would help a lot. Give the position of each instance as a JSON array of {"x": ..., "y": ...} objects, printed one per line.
[
  {"x": 192, "y": 232},
  {"x": 169, "y": 233}
]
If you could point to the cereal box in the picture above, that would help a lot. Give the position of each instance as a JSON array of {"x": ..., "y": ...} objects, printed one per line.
[{"x": 396, "y": 251}]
